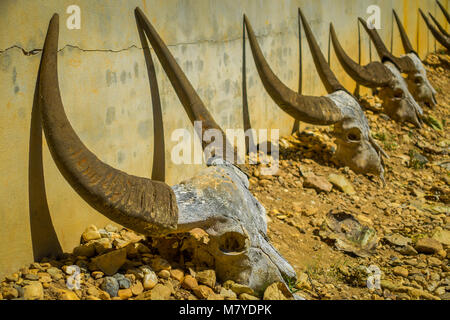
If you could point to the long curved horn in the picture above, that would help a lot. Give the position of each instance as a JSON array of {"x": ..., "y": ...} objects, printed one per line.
[
  {"x": 189, "y": 98},
  {"x": 328, "y": 78},
  {"x": 140, "y": 204},
  {"x": 403, "y": 35},
  {"x": 444, "y": 11},
  {"x": 405, "y": 64},
  {"x": 314, "y": 110},
  {"x": 437, "y": 35},
  {"x": 441, "y": 28},
  {"x": 373, "y": 75}
]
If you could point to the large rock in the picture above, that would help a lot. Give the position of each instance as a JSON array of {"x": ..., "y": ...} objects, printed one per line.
[{"x": 109, "y": 263}]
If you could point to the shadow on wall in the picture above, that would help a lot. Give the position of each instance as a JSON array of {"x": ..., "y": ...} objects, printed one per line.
[
  {"x": 159, "y": 161},
  {"x": 43, "y": 236}
]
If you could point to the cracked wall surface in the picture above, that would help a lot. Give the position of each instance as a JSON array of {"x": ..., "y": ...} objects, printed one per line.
[{"x": 105, "y": 90}]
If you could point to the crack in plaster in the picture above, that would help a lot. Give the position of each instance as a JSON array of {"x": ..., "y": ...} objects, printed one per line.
[{"x": 38, "y": 50}]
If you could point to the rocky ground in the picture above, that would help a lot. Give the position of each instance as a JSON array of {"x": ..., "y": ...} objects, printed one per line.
[
  {"x": 347, "y": 235},
  {"x": 333, "y": 225}
]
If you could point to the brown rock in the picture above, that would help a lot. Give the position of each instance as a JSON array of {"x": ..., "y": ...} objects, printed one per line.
[
  {"x": 207, "y": 277},
  {"x": 159, "y": 264},
  {"x": 228, "y": 294},
  {"x": 160, "y": 292},
  {"x": 277, "y": 291},
  {"x": 246, "y": 296},
  {"x": 341, "y": 183},
  {"x": 428, "y": 245},
  {"x": 125, "y": 294},
  {"x": 109, "y": 263},
  {"x": 91, "y": 233},
  {"x": 67, "y": 295},
  {"x": 203, "y": 292},
  {"x": 10, "y": 293},
  {"x": 165, "y": 274},
  {"x": 400, "y": 271},
  {"x": 150, "y": 280},
  {"x": 137, "y": 288},
  {"x": 317, "y": 183},
  {"x": 189, "y": 283},
  {"x": 177, "y": 274},
  {"x": 33, "y": 291}
]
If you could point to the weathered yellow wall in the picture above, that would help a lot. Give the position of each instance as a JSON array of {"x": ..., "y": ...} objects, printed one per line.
[{"x": 106, "y": 94}]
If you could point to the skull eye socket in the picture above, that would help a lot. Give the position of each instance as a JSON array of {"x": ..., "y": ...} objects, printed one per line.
[
  {"x": 399, "y": 94},
  {"x": 354, "y": 135},
  {"x": 418, "y": 80},
  {"x": 233, "y": 243}
]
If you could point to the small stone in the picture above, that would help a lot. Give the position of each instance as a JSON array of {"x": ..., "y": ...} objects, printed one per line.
[
  {"x": 103, "y": 295},
  {"x": 12, "y": 278},
  {"x": 408, "y": 251},
  {"x": 150, "y": 280},
  {"x": 400, "y": 271},
  {"x": 246, "y": 296},
  {"x": 341, "y": 183},
  {"x": 141, "y": 248},
  {"x": 159, "y": 264},
  {"x": 93, "y": 291},
  {"x": 443, "y": 236},
  {"x": 189, "y": 283},
  {"x": 203, "y": 292},
  {"x": 428, "y": 245},
  {"x": 55, "y": 273},
  {"x": 137, "y": 288},
  {"x": 277, "y": 291},
  {"x": 10, "y": 293},
  {"x": 238, "y": 288},
  {"x": 92, "y": 298},
  {"x": 228, "y": 294},
  {"x": 111, "y": 228},
  {"x": 303, "y": 281},
  {"x": 44, "y": 277},
  {"x": 32, "y": 277},
  {"x": 207, "y": 277},
  {"x": 317, "y": 183},
  {"x": 160, "y": 292},
  {"x": 91, "y": 233},
  {"x": 397, "y": 240},
  {"x": 110, "y": 285},
  {"x": 109, "y": 263},
  {"x": 177, "y": 274},
  {"x": 67, "y": 295},
  {"x": 97, "y": 275},
  {"x": 165, "y": 274},
  {"x": 125, "y": 294},
  {"x": 33, "y": 291},
  {"x": 434, "y": 262}
]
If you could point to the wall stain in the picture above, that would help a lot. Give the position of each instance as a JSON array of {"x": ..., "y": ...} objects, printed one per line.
[
  {"x": 144, "y": 129},
  {"x": 110, "y": 115}
]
